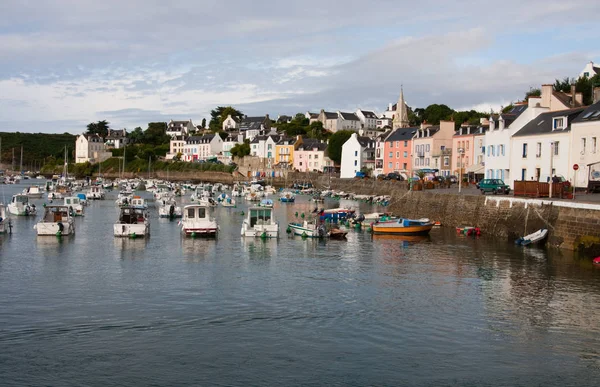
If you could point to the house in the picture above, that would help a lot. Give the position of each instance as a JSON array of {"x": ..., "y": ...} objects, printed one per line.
[
  {"x": 368, "y": 119},
  {"x": 263, "y": 146},
  {"x": 310, "y": 156},
  {"x": 383, "y": 123},
  {"x": 397, "y": 150},
  {"x": 284, "y": 151},
  {"x": 443, "y": 162},
  {"x": 476, "y": 170},
  {"x": 176, "y": 146},
  {"x": 498, "y": 137},
  {"x": 90, "y": 148},
  {"x": 202, "y": 147},
  {"x": 339, "y": 121},
  {"x": 230, "y": 141},
  {"x": 116, "y": 139},
  {"x": 357, "y": 153},
  {"x": 230, "y": 123},
  {"x": 585, "y": 151},
  {"x": 589, "y": 70},
  {"x": 180, "y": 128},
  {"x": 558, "y": 100},
  {"x": 284, "y": 119},
  {"x": 312, "y": 117},
  {"x": 541, "y": 149},
  {"x": 254, "y": 126},
  {"x": 428, "y": 144},
  {"x": 379, "y": 148}
]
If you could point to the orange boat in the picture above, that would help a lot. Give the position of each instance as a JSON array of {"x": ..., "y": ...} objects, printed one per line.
[{"x": 403, "y": 227}]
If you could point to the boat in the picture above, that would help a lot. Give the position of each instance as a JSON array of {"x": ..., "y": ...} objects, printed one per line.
[
  {"x": 198, "y": 222},
  {"x": 466, "y": 230},
  {"x": 335, "y": 214},
  {"x": 536, "y": 237},
  {"x": 596, "y": 261},
  {"x": 82, "y": 199},
  {"x": 168, "y": 208},
  {"x": 133, "y": 222},
  {"x": 260, "y": 222},
  {"x": 5, "y": 222},
  {"x": 139, "y": 202},
  {"x": 228, "y": 202},
  {"x": 207, "y": 201},
  {"x": 253, "y": 196},
  {"x": 96, "y": 192},
  {"x": 60, "y": 192},
  {"x": 268, "y": 203},
  {"x": 287, "y": 197},
  {"x": 19, "y": 206},
  {"x": 308, "y": 229},
  {"x": 403, "y": 226},
  {"x": 33, "y": 192},
  {"x": 124, "y": 198},
  {"x": 74, "y": 204},
  {"x": 336, "y": 233},
  {"x": 56, "y": 221}
]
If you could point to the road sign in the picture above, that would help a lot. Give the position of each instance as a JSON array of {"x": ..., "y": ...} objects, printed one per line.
[{"x": 575, "y": 167}]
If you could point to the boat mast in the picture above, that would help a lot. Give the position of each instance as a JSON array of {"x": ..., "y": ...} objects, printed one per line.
[
  {"x": 13, "y": 159},
  {"x": 124, "y": 150},
  {"x": 149, "y": 159}
]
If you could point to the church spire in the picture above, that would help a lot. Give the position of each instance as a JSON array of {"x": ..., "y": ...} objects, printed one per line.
[{"x": 401, "y": 116}]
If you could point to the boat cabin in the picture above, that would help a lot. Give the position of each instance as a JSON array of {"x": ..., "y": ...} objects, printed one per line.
[
  {"x": 260, "y": 216},
  {"x": 56, "y": 214},
  {"x": 195, "y": 212},
  {"x": 130, "y": 215},
  {"x": 72, "y": 201},
  {"x": 20, "y": 199}
]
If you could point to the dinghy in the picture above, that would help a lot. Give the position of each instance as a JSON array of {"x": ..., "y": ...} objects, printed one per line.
[{"x": 537, "y": 237}]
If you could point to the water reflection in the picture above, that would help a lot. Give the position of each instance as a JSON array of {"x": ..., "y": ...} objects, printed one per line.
[
  {"x": 130, "y": 248},
  {"x": 260, "y": 249},
  {"x": 198, "y": 249},
  {"x": 51, "y": 246}
]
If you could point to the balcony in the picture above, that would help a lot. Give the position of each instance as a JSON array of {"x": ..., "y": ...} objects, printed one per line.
[{"x": 420, "y": 154}]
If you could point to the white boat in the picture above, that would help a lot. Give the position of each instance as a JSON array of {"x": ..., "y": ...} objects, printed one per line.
[
  {"x": 206, "y": 201},
  {"x": 308, "y": 229},
  {"x": 229, "y": 202},
  {"x": 60, "y": 192},
  {"x": 168, "y": 208},
  {"x": 124, "y": 198},
  {"x": 33, "y": 192},
  {"x": 139, "y": 202},
  {"x": 75, "y": 205},
  {"x": 533, "y": 238},
  {"x": 260, "y": 222},
  {"x": 287, "y": 197},
  {"x": 133, "y": 222},
  {"x": 5, "y": 223},
  {"x": 266, "y": 203},
  {"x": 198, "y": 222},
  {"x": 56, "y": 221},
  {"x": 96, "y": 192},
  {"x": 19, "y": 206},
  {"x": 254, "y": 196}
]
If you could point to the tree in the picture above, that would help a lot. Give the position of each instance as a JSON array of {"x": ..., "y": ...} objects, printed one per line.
[
  {"x": 533, "y": 92},
  {"x": 585, "y": 86},
  {"x": 136, "y": 136},
  {"x": 336, "y": 141},
  {"x": 301, "y": 119},
  {"x": 203, "y": 125},
  {"x": 435, "y": 113},
  {"x": 564, "y": 85},
  {"x": 316, "y": 130},
  {"x": 241, "y": 150},
  {"x": 100, "y": 128},
  {"x": 218, "y": 115},
  {"x": 156, "y": 133}
]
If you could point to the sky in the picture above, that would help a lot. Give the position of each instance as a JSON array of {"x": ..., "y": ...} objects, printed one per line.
[{"x": 65, "y": 63}]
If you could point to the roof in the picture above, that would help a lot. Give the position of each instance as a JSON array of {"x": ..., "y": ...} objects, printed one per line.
[
  {"x": 513, "y": 113},
  {"x": 349, "y": 116},
  {"x": 542, "y": 124},
  {"x": 565, "y": 99},
  {"x": 591, "y": 113},
  {"x": 284, "y": 140},
  {"x": 257, "y": 139},
  {"x": 200, "y": 139},
  {"x": 368, "y": 114},
  {"x": 178, "y": 138},
  {"x": 249, "y": 123},
  {"x": 313, "y": 115},
  {"x": 365, "y": 141},
  {"x": 330, "y": 116},
  {"x": 310, "y": 145},
  {"x": 115, "y": 134},
  {"x": 178, "y": 123},
  {"x": 284, "y": 119},
  {"x": 470, "y": 130},
  {"x": 401, "y": 134},
  {"x": 432, "y": 130}
]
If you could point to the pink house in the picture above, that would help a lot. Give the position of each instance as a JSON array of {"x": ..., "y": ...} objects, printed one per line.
[
  {"x": 397, "y": 151},
  {"x": 310, "y": 156}
]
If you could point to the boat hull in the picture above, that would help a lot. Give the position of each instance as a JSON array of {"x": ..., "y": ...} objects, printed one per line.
[
  {"x": 300, "y": 230},
  {"x": 410, "y": 230},
  {"x": 131, "y": 230},
  {"x": 55, "y": 229},
  {"x": 258, "y": 231},
  {"x": 200, "y": 232}
]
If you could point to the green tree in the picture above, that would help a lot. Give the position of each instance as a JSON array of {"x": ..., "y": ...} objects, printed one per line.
[
  {"x": 336, "y": 141},
  {"x": 585, "y": 86},
  {"x": 155, "y": 134},
  {"x": 301, "y": 119},
  {"x": 564, "y": 85},
  {"x": 433, "y": 114},
  {"x": 316, "y": 130},
  {"x": 136, "y": 136},
  {"x": 100, "y": 128},
  {"x": 203, "y": 125},
  {"x": 533, "y": 92},
  {"x": 218, "y": 115},
  {"x": 241, "y": 150}
]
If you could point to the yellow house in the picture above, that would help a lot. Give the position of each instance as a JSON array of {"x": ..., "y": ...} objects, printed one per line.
[{"x": 284, "y": 150}]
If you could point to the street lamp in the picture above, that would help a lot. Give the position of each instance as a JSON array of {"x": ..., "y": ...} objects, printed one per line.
[{"x": 461, "y": 152}]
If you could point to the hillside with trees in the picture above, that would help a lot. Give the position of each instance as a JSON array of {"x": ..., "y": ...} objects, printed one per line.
[{"x": 38, "y": 148}]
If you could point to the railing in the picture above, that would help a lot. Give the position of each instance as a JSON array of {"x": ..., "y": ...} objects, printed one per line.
[{"x": 536, "y": 189}]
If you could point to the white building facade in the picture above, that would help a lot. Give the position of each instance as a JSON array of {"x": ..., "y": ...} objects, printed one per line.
[{"x": 90, "y": 148}]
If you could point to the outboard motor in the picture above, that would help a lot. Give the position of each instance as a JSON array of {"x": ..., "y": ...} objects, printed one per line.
[
  {"x": 171, "y": 211},
  {"x": 360, "y": 218}
]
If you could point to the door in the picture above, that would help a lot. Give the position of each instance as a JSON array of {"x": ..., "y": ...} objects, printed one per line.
[
  {"x": 537, "y": 174},
  {"x": 523, "y": 174}
]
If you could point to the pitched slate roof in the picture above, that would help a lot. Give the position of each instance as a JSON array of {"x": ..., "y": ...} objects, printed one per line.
[
  {"x": 470, "y": 130},
  {"x": 432, "y": 130},
  {"x": 330, "y": 116},
  {"x": 286, "y": 140},
  {"x": 310, "y": 144},
  {"x": 366, "y": 141},
  {"x": 591, "y": 113},
  {"x": 349, "y": 116},
  {"x": 250, "y": 123},
  {"x": 565, "y": 99},
  {"x": 283, "y": 119},
  {"x": 368, "y": 114},
  {"x": 401, "y": 134},
  {"x": 513, "y": 113},
  {"x": 542, "y": 124}
]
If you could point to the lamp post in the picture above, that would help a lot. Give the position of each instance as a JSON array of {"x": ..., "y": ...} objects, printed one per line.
[
  {"x": 461, "y": 152},
  {"x": 551, "y": 160}
]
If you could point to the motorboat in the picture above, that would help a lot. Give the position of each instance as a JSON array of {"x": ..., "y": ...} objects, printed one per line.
[
  {"x": 266, "y": 203},
  {"x": 309, "y": 229},
  {"x": 260, "y": 222},
  {"x": 168, "y": 208},
  {"x": 33, "y": 192},
  {"x": 124, "y": 198},
  {"x": 335, "y": 214},
  {"x": 96, "y": 192},
  {"x": 254, "y": 196},
  {"x": 59, "y": 192},
  {"x": 133, "y": 222},
  {"x": 139, "y": 202},
  {"x": 19, "y": 206},
  {"x": 403, "y": 226},
  {"x": 207, "y": 202},
  {"x": 5, "y": 222},
  {"x": 287, "y": 197},
  {"x": 198, "y": 222},
  {"x": 228, "y": 202},
  {"x": 74, "y": 204},
  {"x": 537, "y": 237},
  {"x": 57, "y": 221},
  {"x": 82, "y": 199}
]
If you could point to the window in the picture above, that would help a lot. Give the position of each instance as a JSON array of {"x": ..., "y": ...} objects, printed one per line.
[
  {"x": 355, "y": 153},
  {"x": 300, "y": 163},
  {"x": 556, "y": 148},
  {"x": 397, "y": 165},
  {"x": 397, "y": 154},
  {"x": 468, "y": 145},
  {"x": 405, "y": 154},
  {"x": 427, "y": 161},
  {"x": 309, "y": 157},
  {"x": 405, "y": 144},
  {"x": 524, "y": 152},
  {"x": 355, "y": 163},
  {"x": 593, "y": 144},
  {"x": 397, "y": 144},
  {"x": 458, "y": 162},
  {"x": 316, "y": 157},
  {"x": 558, "y": 123},
  {"x": 390, "y": 165},
  {"x": 427, "y": 148},
  {"x": 391, "y": 154},
  {"x": 583, "y": 146},
  {"x": 446, "y": 161},
  {"x": 467, "y": 162},
  {"x": 404, "y": 166},
  {"x": 492, "y": 150},
  {"x": 538, "y": 150}
]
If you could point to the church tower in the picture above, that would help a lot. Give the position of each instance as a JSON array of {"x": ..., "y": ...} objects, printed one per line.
[{"x": 401, "y": 116}]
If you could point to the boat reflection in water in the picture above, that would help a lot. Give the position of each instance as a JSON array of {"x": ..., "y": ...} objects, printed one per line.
[
  {"x": 405, "y": 239},
  {"x": 129, "y": 248},
  {"x": 54, "y": 246},
  {"x": 198, "y": 249},
  {"x": 260, "y": 248}
]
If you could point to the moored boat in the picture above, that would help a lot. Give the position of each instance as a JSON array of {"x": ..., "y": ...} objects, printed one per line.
[
  {"x": 537, "y": 237},
  {"x": 403, "y": 226},
  {"x": 198, "y": 222},
  {"x": 260, "y": 222},
  {"x": 33, "y": 192},
  {"x": 19, "y": 206},
  {"x": 287, "y": 197},
  {"x": 56, "y": 221},
  {"x": 133, "y": 222},
  {"x": 74, "y": 204},
  {"x": 96, "y": 192},
  {"x": 308, "y": 229},
  {"x": 5, "y": 223}
]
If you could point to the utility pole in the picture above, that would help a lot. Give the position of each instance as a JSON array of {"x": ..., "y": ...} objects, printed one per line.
[{"x": 551, "y": 157}]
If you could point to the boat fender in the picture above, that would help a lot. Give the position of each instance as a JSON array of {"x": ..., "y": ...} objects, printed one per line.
[{"x": 61, "y": 227}]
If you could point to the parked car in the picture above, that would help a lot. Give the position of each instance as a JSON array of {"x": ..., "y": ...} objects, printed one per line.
[
  {"x": 361, "y": 175},
  {"x": 453, "y": 179},
  {"x": 393, "y": 176},
  {"x": 494, "y": 186}
]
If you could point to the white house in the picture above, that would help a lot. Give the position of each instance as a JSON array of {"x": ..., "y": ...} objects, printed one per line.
[
  {"x": 368, "y": 119},
  {"x": 585, "y": 149},
  {"x": 202, "y": 147},
  {"x": 180, "y": 128},
  {"x": 254, "y": 126},
  {"x": 264, "y": 146},
  {"x": 116, "y": 138},
  {"x": 357, "y": 152},
  {"x": 230, "y": 124},
  {"x": 230, "y": 141},
  {"x": 384, "y": 122},
  {"x": 176, "y": 146},
  {"x": 339, "y": 121},
  {"x": 541, "y": 148},
  {"x": 90, "y": 148},
  {"x": 589, "y": 70},
  {"x": 312, "y": 117}
]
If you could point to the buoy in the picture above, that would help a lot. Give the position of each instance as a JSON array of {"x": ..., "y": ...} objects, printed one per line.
[
  {"x": 263, "y": 235},
  {"x": 304, "y": 235},
  {"x": 369, "y": 229},
  {"x": 193, "y": 235},
  {"x": 133, "y": 236},
  {"x": 296, "y": 214},
  {"x": 357, "y": 226},
  {"x": 59, "y": 234},
  {"x": 288, "y": 230},
  {"x": 302, "y": 215}
]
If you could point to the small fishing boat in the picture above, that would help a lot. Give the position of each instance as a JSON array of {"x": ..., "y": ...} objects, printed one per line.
[
  {"x": 228, "y": 202},
  {"x": 207, "y": 201},
  {"x": 335, "y": 214},
  {"x": 60, "y": 192},
  {"x": 33, "y": 192},
  {"x": 82, "y": 199},
  {"x": 124, "y": 198},
  {"x": 336, "y": 233},
  {"x": 139, "y": 202},
  {"x": 74, "y": 204},
  {"x": 537, "y": 237},
  {"x": 268, "y": 203},
  {"x": 253, "y": 196},
  {"x": 5, "y": 223},
  {"x": 168, "y": 208},
  {"x": 466, "y": 230},
  {"x": 308, "y": 229},
  {"x": 403, "y": 226},
  {"x": 133, "y": 222},
  {"x": 96, "y": 192},
  {"x": 56, "y": 221},
  {"x": 287, "y": 197},
  {"x": 19, "y": 206},
  {"x": 198, "y": 222},
  {"x": 260, "y": 222}
]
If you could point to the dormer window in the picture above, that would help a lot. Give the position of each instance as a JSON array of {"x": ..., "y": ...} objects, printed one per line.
[{"x": 559, "y": 123}]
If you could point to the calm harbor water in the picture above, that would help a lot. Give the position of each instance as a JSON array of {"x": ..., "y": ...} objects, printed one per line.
[{"x": 444, "y": 310}]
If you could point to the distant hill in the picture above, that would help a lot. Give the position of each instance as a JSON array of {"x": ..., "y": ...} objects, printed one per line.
[{"x": 36, "y": 147}]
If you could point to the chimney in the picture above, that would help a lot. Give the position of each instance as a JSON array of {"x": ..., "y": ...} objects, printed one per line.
[
  {"x": 579, "y": 98},
  {"x": 596, "y": 94},
  {"x": 547, "y": 95},
  {"x": 500, "y": 123},
  {"x": 492, "y": 123},
  {"x": 573, "y": 93},
  {"x": 390, "y": 107}
]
